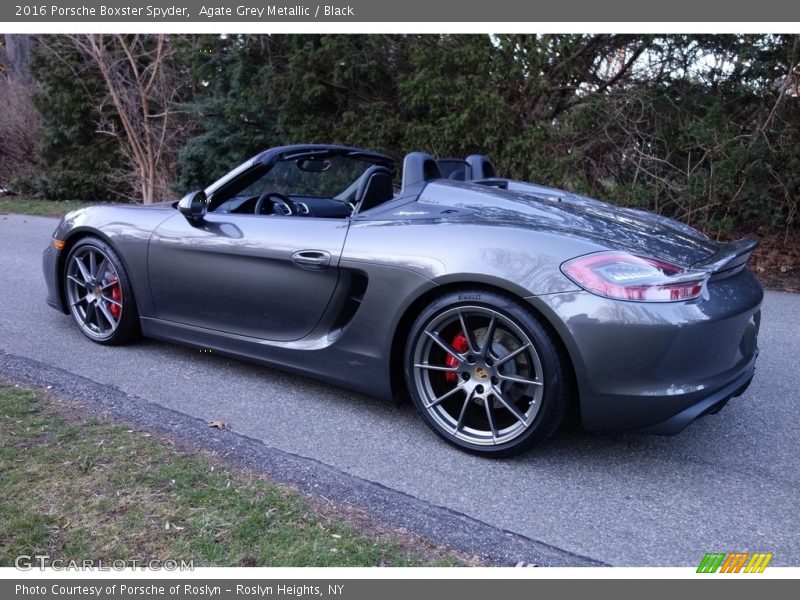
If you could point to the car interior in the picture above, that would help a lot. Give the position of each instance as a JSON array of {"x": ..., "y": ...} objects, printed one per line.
[{"x": 309, "y": 186}]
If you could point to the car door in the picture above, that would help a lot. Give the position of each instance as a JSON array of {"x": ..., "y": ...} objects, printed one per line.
[{"x": 268, "y": 277}]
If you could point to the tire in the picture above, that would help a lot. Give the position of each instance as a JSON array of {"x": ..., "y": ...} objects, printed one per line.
[
  {"x": 496, "y": 399},
  {"x": 99, "y": 293}
]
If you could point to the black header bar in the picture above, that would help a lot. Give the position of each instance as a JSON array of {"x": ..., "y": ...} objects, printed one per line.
[{"x": 400, "y": 11}]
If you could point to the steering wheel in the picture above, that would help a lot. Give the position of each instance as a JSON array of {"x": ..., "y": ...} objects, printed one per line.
[{"x": 281, "y": 204}]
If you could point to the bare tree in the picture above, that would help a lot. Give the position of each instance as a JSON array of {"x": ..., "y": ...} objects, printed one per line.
[
  {"x": 20, "y": 122},
  {"x": 14, "y": 55},
  {"x": 141, "y": 89}
]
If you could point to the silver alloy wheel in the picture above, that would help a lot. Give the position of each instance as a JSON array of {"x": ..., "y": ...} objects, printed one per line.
[
  {"x": 94, "y": 292},
  {"x": 484, "y": 387}
]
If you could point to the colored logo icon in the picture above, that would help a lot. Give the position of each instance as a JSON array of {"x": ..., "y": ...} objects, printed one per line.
[{"x": 734, "y": 562}]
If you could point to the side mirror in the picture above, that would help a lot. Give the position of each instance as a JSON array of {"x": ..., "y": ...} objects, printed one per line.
[{"x": 193, "y": 206}]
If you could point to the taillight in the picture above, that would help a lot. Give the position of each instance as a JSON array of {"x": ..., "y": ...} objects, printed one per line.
[{"x": 628, "y": 277}]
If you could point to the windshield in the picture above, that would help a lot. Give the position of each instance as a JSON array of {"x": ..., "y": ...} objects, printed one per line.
[{"x": 324, "y": 177}]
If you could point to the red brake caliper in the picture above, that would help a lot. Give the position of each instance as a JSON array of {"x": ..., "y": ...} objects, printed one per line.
[
  {"x": 459, "y": 344},
  {"x": 116, "y": 294}
]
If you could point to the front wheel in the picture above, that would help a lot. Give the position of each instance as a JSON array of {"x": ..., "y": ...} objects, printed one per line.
[
  {"x": 485, "y": 374},
  {"x": 99, "y": 293}
]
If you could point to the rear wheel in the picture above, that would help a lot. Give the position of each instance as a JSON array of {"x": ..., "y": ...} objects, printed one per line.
[
  {"x": 99, "y": 293},
  {"x": 485, "y": 374}
]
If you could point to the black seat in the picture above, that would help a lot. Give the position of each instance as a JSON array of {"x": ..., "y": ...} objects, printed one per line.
[
  {"x": 453, "y": 168},
  {"x": 418, "y": 169},
  {"x": 374, "y": 189},
  {"x": 480, "y": 167}
]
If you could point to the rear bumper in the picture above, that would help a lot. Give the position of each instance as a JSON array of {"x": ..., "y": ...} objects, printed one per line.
[
  {"x": 656, "y": 367},
  {"x": 709, "y": 405}
]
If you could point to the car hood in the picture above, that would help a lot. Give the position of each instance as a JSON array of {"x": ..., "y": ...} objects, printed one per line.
[{"x": 556, "y": 211}]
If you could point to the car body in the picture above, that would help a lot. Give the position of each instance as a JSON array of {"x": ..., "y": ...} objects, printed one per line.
[{"x": 636, "y": 320}]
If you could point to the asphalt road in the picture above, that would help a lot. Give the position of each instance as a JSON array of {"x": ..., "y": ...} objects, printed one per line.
[{"x": 730, "y": 482}]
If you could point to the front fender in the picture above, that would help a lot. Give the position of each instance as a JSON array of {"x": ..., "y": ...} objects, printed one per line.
[{"x": 127, "y": 229}]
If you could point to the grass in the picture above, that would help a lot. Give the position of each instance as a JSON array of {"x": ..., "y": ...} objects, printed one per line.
[
  {"x": 77, "y": 488},
  {"x": 27, "y": 205}
]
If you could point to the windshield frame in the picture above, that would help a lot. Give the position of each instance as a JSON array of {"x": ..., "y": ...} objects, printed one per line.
[{"x": 274, "y": 156}]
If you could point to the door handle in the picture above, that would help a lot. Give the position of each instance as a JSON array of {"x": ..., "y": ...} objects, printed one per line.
[{"x": 312, "y": 259}]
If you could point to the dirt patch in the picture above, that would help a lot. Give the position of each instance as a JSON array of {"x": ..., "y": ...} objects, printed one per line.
[{"x": 776, "y": 261}]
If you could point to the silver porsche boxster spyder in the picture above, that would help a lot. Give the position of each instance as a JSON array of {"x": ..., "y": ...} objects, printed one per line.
[{"x": 498, "y": 306}]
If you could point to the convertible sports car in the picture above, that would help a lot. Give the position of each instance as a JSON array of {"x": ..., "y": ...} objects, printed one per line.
[{"x": 497, "y": 305}]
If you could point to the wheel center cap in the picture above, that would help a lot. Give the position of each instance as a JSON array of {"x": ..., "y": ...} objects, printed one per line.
[{"x": 481, "y": 373}]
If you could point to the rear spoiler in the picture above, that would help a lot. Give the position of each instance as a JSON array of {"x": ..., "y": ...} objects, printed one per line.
[{"x": 730, "y": 257}]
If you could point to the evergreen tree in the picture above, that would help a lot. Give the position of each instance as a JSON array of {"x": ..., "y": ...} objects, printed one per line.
[{"x": 76, "y": 161}]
